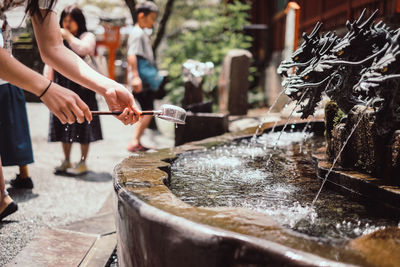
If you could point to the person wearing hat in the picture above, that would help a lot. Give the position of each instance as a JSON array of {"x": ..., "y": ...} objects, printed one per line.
[{"x": 142, "y": 74}]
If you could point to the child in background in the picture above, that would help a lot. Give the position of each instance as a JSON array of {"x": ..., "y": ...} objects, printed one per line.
[{"x": 142, "y": 74}]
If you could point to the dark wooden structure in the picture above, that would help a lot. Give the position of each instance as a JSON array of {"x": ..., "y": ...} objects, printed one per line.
[{"x": 268, "y": 19}]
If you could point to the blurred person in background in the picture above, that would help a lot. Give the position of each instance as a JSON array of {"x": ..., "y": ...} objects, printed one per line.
[
  {"x": 83, "y": 43},
  {"x": 143, "y": 76}
]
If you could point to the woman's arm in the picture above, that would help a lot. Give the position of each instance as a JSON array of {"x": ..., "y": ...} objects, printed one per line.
[
  {"x": 83, "y": 46},
  {"x": 48, "y": 72},
  {"x": 136, "y": 82},
  {"x": 66, "y": 62},
  {"x": 64, "y": 103}
]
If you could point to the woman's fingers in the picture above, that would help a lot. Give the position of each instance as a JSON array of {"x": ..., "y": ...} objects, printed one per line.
[
  {"x": 86, "y": 114},
  {"x": 124, "y": 116},
  {"x": 80, "y": 116},
  {"x": 60, "y": 116},
  {"x": 69, "y": 114},
  {"x": 66, "y": 105}
]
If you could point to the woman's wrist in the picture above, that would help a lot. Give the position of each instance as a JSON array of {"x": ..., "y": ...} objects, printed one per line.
[{"x": 45, "y": 89}]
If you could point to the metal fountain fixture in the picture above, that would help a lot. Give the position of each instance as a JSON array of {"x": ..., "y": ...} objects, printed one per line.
[{"x": 351, "y": 70}]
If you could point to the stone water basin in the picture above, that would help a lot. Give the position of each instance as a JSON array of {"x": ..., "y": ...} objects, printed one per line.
[{"x": 219, "y": 205}]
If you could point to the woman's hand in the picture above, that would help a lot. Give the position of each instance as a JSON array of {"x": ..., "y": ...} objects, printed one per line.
[
  {"x": 136, "y": 84},
  {"x": 66, "y": 34},
  {"x": 118, "y": 98},
  {"x": 66, "y": 105}
]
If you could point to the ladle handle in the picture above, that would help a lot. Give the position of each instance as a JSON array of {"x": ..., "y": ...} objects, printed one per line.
[
  {"x": 97, "y": 113},
  {"x": 145, "y": 112},
  {"x": 149, "y": 112}
]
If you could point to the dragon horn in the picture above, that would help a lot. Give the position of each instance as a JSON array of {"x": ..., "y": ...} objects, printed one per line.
[
  {"x": 397, "y": 35},
  {"x": 315, "y": 30},
  {"x": 361, "y": 16},
  {"x": 327, "y": 46},
  {"x": 378, "y": 24},
  {"x": 370, "y": 19},
  {"x": 305, "y": 37},
  {"x": 349, "y": 25}
]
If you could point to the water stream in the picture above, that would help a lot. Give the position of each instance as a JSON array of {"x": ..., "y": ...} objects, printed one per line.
[
  {"x": 284, "y": 127},
  {"x": 253, "y": 139},
  {"x": 341, "y": 150}
]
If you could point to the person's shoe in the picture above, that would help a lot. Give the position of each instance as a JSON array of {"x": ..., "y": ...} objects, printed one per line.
[
  {"x": 137, "y": 148},
  {"x": 63, "y": 167},
  {"x": 79, "y": 169},
  {"x": 19, "y": 182},
  {"x": 11, "y": 208}
]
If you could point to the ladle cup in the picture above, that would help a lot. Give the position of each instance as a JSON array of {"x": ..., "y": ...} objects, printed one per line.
[{"x": 167, "y": 112}]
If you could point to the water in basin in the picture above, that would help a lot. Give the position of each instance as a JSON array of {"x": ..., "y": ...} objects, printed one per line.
[{"x": 236, "y": 175}]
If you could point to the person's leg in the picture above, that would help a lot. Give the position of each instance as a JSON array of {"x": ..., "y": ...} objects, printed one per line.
[
  {"x": 66, "y": 163},
  {"x": 84, "y": 152},
  {"x": 67, "y": 150},
  {"x": 81, "y": 168},
  {"x": 23, "y": 172},
  {"x": 146, "y": 101},
  {"x": 22, "y": 180},
  {"x": 7, "y": 206},
  {"x": 141, "y": 125}
]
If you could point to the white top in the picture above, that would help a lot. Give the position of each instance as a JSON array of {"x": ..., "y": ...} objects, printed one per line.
[
  {"x": 139, "y": 44},
  {"x": 5, "y": 29}
]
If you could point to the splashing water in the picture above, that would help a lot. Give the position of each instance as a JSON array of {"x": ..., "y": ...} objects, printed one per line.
[
  {"x": 341, "y": 150},
  {"x": 284, "y": 127},
  {"x": 235, "y": 175}
]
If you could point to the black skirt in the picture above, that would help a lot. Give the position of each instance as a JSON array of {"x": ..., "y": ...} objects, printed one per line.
[{"x": 75, "y": 133}]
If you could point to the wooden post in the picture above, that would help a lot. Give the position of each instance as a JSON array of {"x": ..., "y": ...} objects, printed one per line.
[
  {"x": 111, "y": 40},
  {"x": 296, "y": 7}
]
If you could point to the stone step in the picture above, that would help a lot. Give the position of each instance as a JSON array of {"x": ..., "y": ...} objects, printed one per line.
[
  {"x": 101, "y": 251},
  {"x": 55, "y": 247}
]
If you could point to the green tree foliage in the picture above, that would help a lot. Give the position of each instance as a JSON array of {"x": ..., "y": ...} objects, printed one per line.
[{"x": 216, "y": 30}]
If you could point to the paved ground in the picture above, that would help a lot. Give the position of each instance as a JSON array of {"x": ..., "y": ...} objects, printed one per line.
[{"x": 61, "y": 200}]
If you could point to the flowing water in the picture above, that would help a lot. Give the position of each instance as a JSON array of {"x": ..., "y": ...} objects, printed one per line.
[
  {"x": 235, "y": 175},
  {"x": 253, "y": 139},
  {"x": 284, "y": 127},
  {"x": 341, "y": 150}
]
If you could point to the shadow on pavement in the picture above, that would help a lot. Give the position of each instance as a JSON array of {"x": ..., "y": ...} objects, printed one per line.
[
  {"x": 5, "y": 222},
  {"x": 21, "y": 195},
  {"x": 92, "y": 176}
]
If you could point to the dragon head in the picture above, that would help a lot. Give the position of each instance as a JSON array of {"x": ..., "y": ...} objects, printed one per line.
[
  {"x": 358, "y": 41},
  {"x": 303, "y": 54},
  {"x": 307, "y": 86},
  {"x": 384, "y": 70}
]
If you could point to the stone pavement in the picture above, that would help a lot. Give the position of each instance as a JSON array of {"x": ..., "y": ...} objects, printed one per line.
[{"x": 58, "y": 205}]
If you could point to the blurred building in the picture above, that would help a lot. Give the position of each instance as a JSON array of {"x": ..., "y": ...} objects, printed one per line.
[{"x": 269, "y": 26}]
